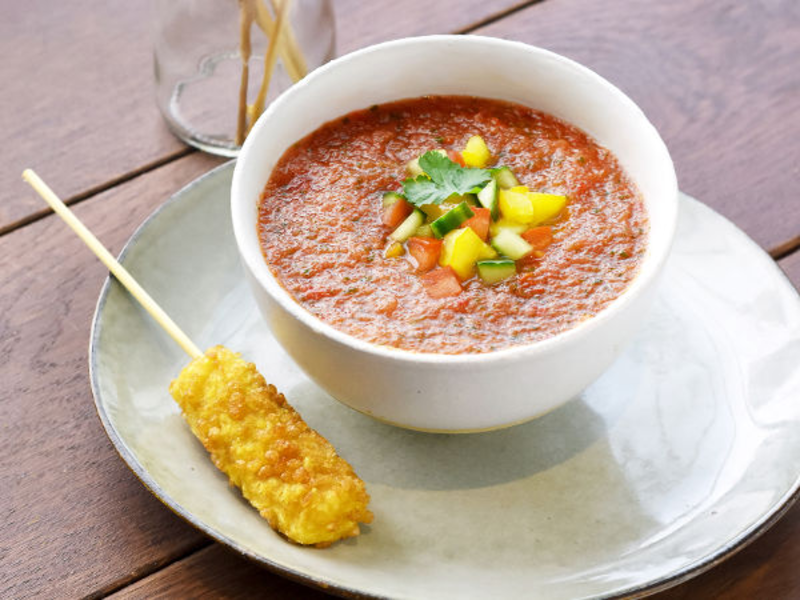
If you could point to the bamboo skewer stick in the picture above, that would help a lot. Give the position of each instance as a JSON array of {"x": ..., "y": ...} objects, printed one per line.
[
  {"x": 291, "y": 55},
  {"x": 120, "y": 272},
  {"x": 269, "y": 62},
  {"x": 247, "y": 15}
]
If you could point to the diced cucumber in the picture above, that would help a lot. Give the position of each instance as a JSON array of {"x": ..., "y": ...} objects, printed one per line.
[
  {"x": 510, "y": 244},
  {"x": 502, "y": 223},
  {"x": 493, "y": 271},
  {"x": 389, "y": 198},
  {"x": 505, "y": 178},
  {"x": 408, "y": 227},
  {"x": 488, "y": 198},
  {"x": 450, "y": 220}
]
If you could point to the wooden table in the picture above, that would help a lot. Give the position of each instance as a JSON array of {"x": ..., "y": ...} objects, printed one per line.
[{"x": 720, "y": 80}]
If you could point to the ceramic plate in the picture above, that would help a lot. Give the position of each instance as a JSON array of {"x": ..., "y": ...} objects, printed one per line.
[{"x": 683, "y": 451}]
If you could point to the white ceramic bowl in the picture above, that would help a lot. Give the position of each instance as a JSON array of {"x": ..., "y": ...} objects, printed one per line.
[{"x": 456, "y": 393}]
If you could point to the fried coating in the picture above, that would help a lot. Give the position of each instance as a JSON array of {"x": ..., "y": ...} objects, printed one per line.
[{"x": 289, "y": 472}]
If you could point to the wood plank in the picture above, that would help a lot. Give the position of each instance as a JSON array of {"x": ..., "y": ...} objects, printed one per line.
[
  {"x": 360, "y": 23},
  {"x": 791, "y": 266},
  {"x": 212, "y": 573},
  {"x": 720, "y": 80},
  {"x": 764, "y": 569},
  {"x": 78, "y": 101},
  {"x": 75, "y": 520},
  {"x": 767, "y": 568}
]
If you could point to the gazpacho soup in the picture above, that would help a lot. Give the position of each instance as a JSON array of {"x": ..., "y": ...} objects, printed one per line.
[{"x": 450, "y": 224}]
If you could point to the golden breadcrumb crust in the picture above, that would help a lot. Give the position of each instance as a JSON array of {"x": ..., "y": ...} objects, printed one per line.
[{"x": 289, "y": 472}]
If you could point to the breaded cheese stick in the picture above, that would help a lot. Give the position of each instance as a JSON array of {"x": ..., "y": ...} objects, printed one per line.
[{"x": 289, "y": 472}]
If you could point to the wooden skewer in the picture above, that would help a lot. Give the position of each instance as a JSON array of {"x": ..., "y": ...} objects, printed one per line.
[
  {"x": 246, "y": 17},
  {"x": 293, "y": 60},
  {"x": 269, "y": 61},
  {"x": 120, "y": 272}
]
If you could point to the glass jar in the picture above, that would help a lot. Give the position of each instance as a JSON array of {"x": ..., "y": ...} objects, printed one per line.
[{"x": 208, "y": 94}]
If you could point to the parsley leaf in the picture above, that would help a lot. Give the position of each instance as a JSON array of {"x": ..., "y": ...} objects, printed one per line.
[{"x": 444, "y": 179}]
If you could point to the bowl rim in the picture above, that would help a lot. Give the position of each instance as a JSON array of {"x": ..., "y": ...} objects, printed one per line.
[{"x": 648, "y": 270}]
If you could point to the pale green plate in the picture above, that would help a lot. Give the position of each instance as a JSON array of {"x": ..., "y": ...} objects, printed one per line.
[{"x": 685, "y": 450}]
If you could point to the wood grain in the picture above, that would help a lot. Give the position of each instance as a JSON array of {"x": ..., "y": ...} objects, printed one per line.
[
  {"x": 791, "y": 266},
  {"x": 78, "y": 99},
  {"x": 75, "y": 520},
  {"x": 720, "y": 81},
  {"x": 361, "y": 23},
  {"x": 764, "y": 569},
  {"x": 216, "y": 573}
]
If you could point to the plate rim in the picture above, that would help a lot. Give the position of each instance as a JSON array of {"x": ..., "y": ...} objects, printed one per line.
[{"x": 702, "y": 565}]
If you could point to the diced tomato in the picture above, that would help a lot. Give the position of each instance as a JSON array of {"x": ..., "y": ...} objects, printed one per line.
[
  {"x": 456, "y": 157},
  {"x": 441, "y": 283},
  {"x": 479, "y": 222},
  {"x": 425, "y": 251},
  {"x": 395, "y": 214},
  {"x": 539, "y": 237}
]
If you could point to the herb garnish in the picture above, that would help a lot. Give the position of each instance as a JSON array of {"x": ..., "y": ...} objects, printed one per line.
[{"x": 443, "y": 178}]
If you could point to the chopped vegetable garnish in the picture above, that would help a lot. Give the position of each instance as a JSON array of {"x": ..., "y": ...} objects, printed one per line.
[
  {"x": 504, "y": 223},
  {"x": 505, "y": 178},
  {"x": 515, "y": 205},
  {"x": 460, "y": 250},
  {"x": 449, "y": 212},
  {"x": 546, "y": 206},
  {"x": 476, "y": 153},
  {"x": 389, "y": 198},
  {"x": 479, "y": 222},
  {"x": 539, "y": 237},
  {"x": 425, "y": 251},
  {"x": 396, "y": 212},
  {"x": 511, "y": 244},
  {"x": 409, "y": 227},
  {"x": 488, "y": 197},
  {"x": 442, "y": 178},
  {"x": 413, "y": 169},
  {"x": 456, "y": 158},
  {"x": 441, "y": 283},
  {"x": 452, "y": 219},
  {"x": 493, "y": 271},
  {"x": 394, "y": 250}
]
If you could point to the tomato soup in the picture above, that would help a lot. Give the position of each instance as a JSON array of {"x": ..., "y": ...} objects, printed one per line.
[{"x": 332, "y": 239}]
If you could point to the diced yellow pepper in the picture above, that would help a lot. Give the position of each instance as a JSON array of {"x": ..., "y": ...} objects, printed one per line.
[
  {"x": 487, "y": 252},
  {"x": 432, "y": 211},
  {"x": 476, "y": 152},
  {"x": 546, "y": 206},
  {"x": 460, "y": 251},
  {"x": 516, "y": 206},
  {"x": 520, "y": 188},
  {"x": 413, "y": 169},
  {"x": 394, "y": 250}
]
